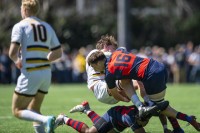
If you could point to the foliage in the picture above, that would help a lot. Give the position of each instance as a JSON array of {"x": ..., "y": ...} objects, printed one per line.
[{"x": 171, "y": 22}]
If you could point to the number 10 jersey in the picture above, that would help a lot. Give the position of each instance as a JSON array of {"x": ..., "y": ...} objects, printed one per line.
[{"x": 36, "y": 38}]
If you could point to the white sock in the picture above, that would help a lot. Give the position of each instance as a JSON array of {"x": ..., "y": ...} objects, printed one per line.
[
  {"x": 39, "y": 128},
  {"x": 88, "y": 111},
  {"x": 33, "y": 116},
  {"x": 66, "y": 119},
  {"x": 136, "y": 101}
]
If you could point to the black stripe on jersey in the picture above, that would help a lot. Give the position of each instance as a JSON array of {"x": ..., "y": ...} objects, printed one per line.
[
  {"x": 56, "y": 48},
  {"x": 26, "y": 95},
  {"x": 42, "y": 92},
  {"x": 36, "y": 60},
  {"x": 16, "y": 43},
  {"x": 38, "y": 67},
  {"x": 37, "y": 46}
]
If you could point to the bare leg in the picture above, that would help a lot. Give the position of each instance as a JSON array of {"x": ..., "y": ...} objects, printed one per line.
[
  {"x": 171, "y": 112},
  {"x": 130, "y": 92},
  {"x": 35, "y": 105}
]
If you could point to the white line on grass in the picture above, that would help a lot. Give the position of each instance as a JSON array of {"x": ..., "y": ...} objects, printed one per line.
[{"x": 6, "y": 117}]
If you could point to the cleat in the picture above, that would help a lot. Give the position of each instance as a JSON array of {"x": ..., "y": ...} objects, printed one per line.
[
  {"x": 146, "y": 111},
  {"x": 152, "y": 110},
  {"x": 179, "y": 130},
  {"x": 50, "y": 124},
  {"x": 195, "y": 124},
  {"x": 167, "y": 131},
  {"x": 59, "y": 120},
  {"x": 80, "y": 108},
  {"x": 161, "y": 106}
]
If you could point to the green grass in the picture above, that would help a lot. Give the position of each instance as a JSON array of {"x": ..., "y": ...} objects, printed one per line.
[{"x": 61, "y": 98}]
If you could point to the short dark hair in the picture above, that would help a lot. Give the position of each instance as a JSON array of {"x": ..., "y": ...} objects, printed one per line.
[{"x": 95, "y": 57}]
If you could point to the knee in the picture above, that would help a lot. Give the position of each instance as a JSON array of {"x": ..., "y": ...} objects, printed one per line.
[
  {"x": 85, "y": 129},
  {"x": 16, "y": 112}
]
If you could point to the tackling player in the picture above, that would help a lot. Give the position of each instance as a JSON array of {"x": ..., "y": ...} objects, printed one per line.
[
  {"x": 96, "y": 81},
  {"x": 38, "y": 46},
  {"x": 124, "y": 65}
]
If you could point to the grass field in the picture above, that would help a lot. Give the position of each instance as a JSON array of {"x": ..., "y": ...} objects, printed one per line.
[{"x": 61, "y": 98}]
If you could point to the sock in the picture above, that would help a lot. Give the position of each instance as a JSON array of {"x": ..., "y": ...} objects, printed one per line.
[
  {"x": 147, "y": 100},
  {"x": 86, "y": 111},
  {"x": 39, "y": 128},
  {"x": 93, "y": 116},
  {"x": 183, "y": 117},
  {"x": 33, "y": 116},
  {"x": 174, "y": 123},
  {"x": 164, "y": 127},
  {"x": 77, "y": 125},
  {"x": 136, "y": 101},
  {"x": 66, "y": 119}
]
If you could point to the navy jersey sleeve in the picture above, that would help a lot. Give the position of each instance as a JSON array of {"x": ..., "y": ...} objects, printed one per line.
[
  {"x": 110, "y": 80},
  {"x": 121, "y": 49}
]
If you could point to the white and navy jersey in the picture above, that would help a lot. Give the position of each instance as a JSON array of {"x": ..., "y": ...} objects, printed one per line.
[
  {"x": 93, "y": 76},
  {"x": 36, "y": 38}
]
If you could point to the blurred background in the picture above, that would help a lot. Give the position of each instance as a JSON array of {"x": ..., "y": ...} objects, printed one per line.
[{"x": 166, "y": 30}]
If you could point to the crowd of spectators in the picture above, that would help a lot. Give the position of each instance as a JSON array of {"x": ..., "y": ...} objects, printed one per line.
[{"x": 182, "y": 61}]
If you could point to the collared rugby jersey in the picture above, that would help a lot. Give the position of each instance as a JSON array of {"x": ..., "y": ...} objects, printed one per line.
[
  {"x": 125, "y": 65},
  {"x": 36, "y": 38}
]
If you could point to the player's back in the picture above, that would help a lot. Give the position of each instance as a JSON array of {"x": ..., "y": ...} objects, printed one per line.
[
  {"x": 125, "y": 65},
  {"x": 36, "y": 38},
  {"x": 123, "y": 116}
]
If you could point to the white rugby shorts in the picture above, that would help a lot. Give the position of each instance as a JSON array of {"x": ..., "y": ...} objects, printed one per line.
[
  {"x": 101, "y": 93},
  {"x": 29, "y": 83}
]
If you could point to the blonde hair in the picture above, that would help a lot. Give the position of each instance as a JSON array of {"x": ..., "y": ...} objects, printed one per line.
[
  {"x": 106, "y": 40},
  {"x": 32, "y": 6}
]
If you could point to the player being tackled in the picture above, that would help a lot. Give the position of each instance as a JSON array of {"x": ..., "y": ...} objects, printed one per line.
[
  {"x": 102, "y": 124},
  {"x": 153, "y": 111}
]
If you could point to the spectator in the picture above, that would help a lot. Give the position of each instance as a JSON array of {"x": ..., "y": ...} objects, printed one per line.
[
  {"x": 79, "y": 66},
  {"x": 188, "y": 52},
  {"x": 181, "y": 61},
  {"x": 194, "y": 60},
  {"x": 5, "y": 67}
]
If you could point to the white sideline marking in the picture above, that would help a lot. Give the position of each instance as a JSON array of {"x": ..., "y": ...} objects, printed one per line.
[{"x": 6, "y": 117}]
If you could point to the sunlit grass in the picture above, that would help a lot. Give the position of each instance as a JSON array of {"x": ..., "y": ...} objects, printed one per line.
[{"x": 61, "y": 98}]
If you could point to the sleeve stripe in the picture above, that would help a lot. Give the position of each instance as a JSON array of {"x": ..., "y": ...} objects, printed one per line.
[
  {"x": 56, "y": 48},
  {"x": 16, "y": 43}
]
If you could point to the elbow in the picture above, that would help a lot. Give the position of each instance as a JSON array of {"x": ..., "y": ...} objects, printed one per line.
[
  {"x": 11, "y": 55},
  {"x": 59, "y": 54},
  {"x": 54, "y": 55}
]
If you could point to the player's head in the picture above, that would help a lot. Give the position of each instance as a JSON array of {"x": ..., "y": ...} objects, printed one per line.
[
  {"x": 97, "y": 60},
  {"x": 107, "y": 43},
  {"x": 29, "y": 8}
]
